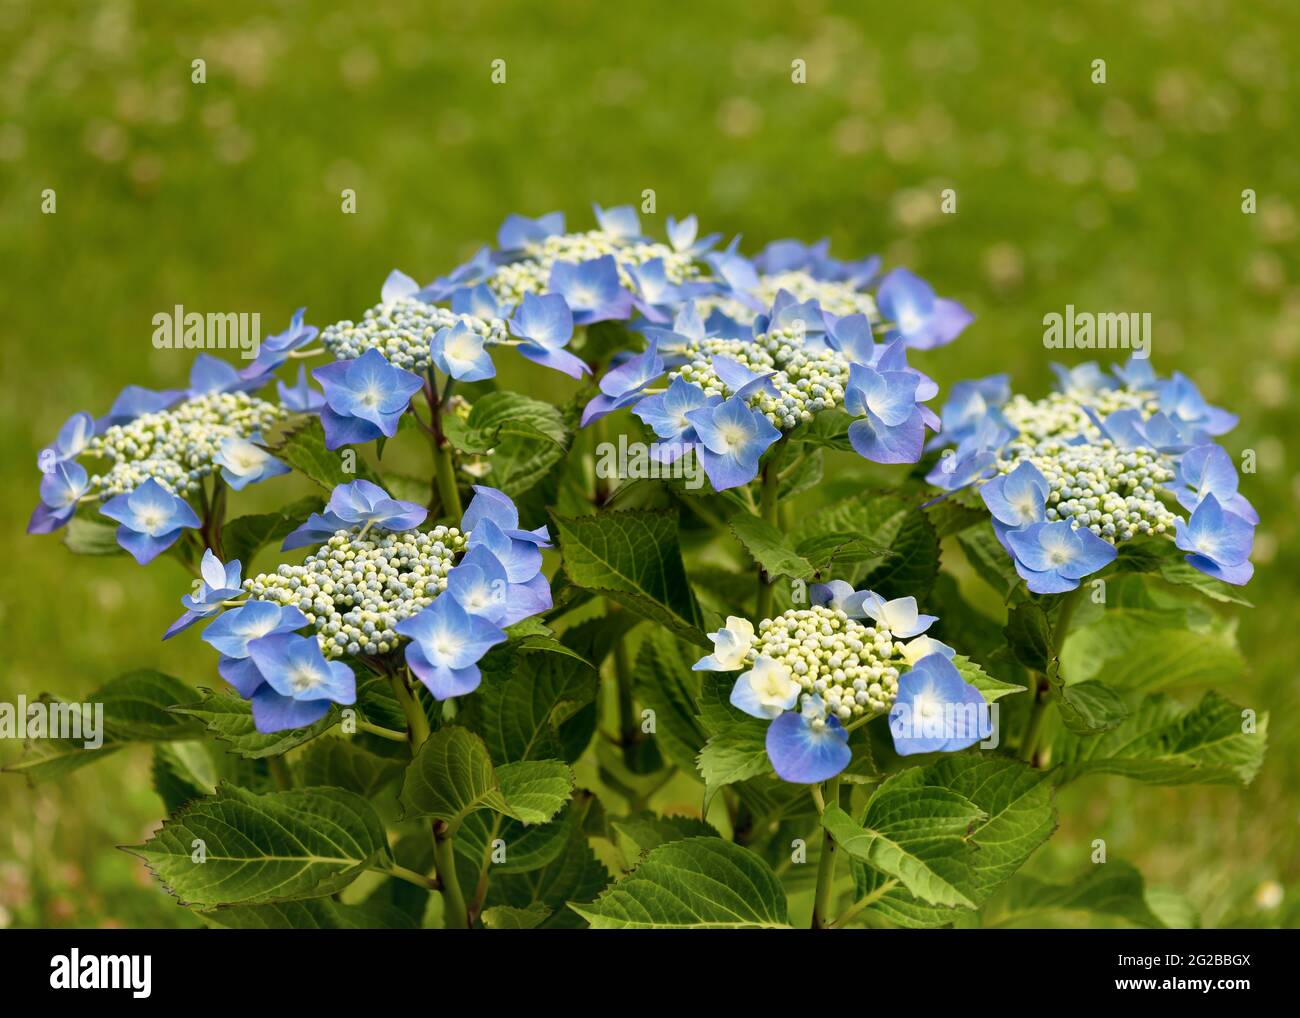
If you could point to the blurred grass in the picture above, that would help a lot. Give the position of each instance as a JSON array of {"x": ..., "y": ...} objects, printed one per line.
[{"x": 225, "y": 196}]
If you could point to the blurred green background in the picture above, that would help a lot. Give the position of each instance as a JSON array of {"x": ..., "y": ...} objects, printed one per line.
[{"x": 226, "y": 196}]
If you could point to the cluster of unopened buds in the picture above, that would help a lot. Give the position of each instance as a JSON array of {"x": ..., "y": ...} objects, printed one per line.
[
  {"x": 377, "y": 585},
  {"x": 1107, "y": 458},
  {"x": 819, "y": 672}
]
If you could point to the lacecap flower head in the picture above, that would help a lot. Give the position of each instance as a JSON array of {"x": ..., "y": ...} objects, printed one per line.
[
  {"x": 1108, "y": 457},
  {"x": 817, "y": 672}
]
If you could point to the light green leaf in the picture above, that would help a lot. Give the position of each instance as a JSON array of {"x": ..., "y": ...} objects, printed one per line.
[
  {"x": 918, "y": 836},
  {"x": 340, "y": 760},
  {"x": 238, "y": 847},
  {"x": 1163, "y": 743},
  {"x": 633, "y": 557},
  {"x": 452, "y": 776},
  {"x": 1112, "y": 889},
  {"x": 990, "y": 688},
  {"x": 694, "y": 883},
  {"x": 310, "y": 914},
  {"x": 769, "y": 548},
  {"x": 736, "y": 753},
  {"x": 506, "y": 917},
  {"x": 92, "y": 536},
  {"x": 664, "y": 682},
  {"x": 302, "y": 445},
  {"x": 242, "y": 538}
]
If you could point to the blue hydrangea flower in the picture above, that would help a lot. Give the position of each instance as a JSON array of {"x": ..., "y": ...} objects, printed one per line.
[
  {"x": 832, "y": 594},
  {"x": 211, "y": 374},
  {"x": 518, "y": 231},
  {"x": 364, "y": 398},
  {"x": 807, "y": 747},
  {"x": 446, "y": 645},
  {"x": 1218, "y": 542},
  {"x": 545, "y": 324},
  {"x": 733, "y": 437},
  {"x": 666, "y": 414},
  {"x": 592, "y": 290},
  {"x": 61, "y": 491},
  {"x": 151, "y": 519},
  {"x": 922, "y": 320},
  {"x": 231, "y": 633},
  {"x": 461, "y": 352},
  {"x": 936, "y": 710},
  {"x": 478, "y": 301},
  {"x": 891, "y": 426},
  {"x": 360, "y": 502},
  {"x": 1018, "y": 498},
  {"x": 217, "y": 583},
  {"x": 621, "y": 222},
  {"x": 1181, "y": 400},
  {"x": 683, "y": 236},
  {"x": 476, "y": 269},
  {"x": 1053, "y": 557},
  {"x": 1208, "y": 470},
  {"x": 275, "y": 350},
  {"x": 73, "y": 437},
  {"x": 302, "y": 397},
  {"x": 970, "y": 404},
  {"x": 622, "y": 386},
  {"x": 1128, "y": 429},
  {"x": 243, "y": 462},
  {"x": 492, "y": 522},
  {"x": 298, "y": 683},
  {"x": 136, "y": 401}
]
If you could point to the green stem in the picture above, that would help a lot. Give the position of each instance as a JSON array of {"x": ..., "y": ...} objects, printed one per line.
[
  {"x": 826, "y": 866},
  {"x": 417, "y": 725},
  {"x": 629, "y": 732},
  {"x": 383, "y": 733},
  {"x": 280, "y": 772},
  {"x": 444, "y": 477},
  {"x": 767, "y": 509},
  {"x": 455, "y": 915},
  {"x": 411, "y": 877},
  {"x": 852, "y": 911},
  {"x": 1040, "y": 684}
]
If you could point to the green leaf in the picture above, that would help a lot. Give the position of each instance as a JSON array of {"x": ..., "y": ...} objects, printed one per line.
[
  {"x": 89, "y": 536},
  {"x": 302, "y": 446},
  {"x": 633, "y": 557},
  {"x": 238, "y": 847},
  {"x": 339, "y": 760},
  {"x": 694, "y": 883},
  {"x": 990, "y": 688},
  {"x": 182, "y": 772},
  {"x": 1163, "y": 743},
  {"x": 1089, "y": 707},
  {"x": 535, "y": 790},
  {"x": 1017, "y": 800},
  {"x": 879, "y": 520},
  {"x": 452, "y": 776},
  {"x": 664, "y": 682},
  {"x": 917, "y": 836},
  {"x": 990, "y": 561},
  {"x": 1029, "y": 635},
  {"x": 135, "y": 708},
  {"x": 736, "y": 753},
  {"x": 646, "y": 832},
  {"x": 527, "y": 437},
  {"x": 244, "y": 537},
  {"x": 1111, "y": 889},
  {"x": 505, "y": 917},
  {"x": 526, "y": 697},
  {"x": 769, "y": 548},
  {"x": 229, "y": 718},
  {"x": 827, "y": 430},
  {"x": 310, "y": 914}
]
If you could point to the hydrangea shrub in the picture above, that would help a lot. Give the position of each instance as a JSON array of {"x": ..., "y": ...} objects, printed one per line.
[{"x": 837, "y": 682}]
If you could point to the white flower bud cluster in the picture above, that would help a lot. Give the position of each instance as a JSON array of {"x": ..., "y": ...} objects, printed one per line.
[
  {"x": 175, "y": 447},
  {"x": 355, "y": 589},
  {"x": 1060, "y": 414},
  {"x": 853, "y": 667},
  {"x": 806, "y": 381},
  {"x": 402, "y": 332},
  {"x": 1113, "y": 492},
  {"x": 532, "y": 275}
]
